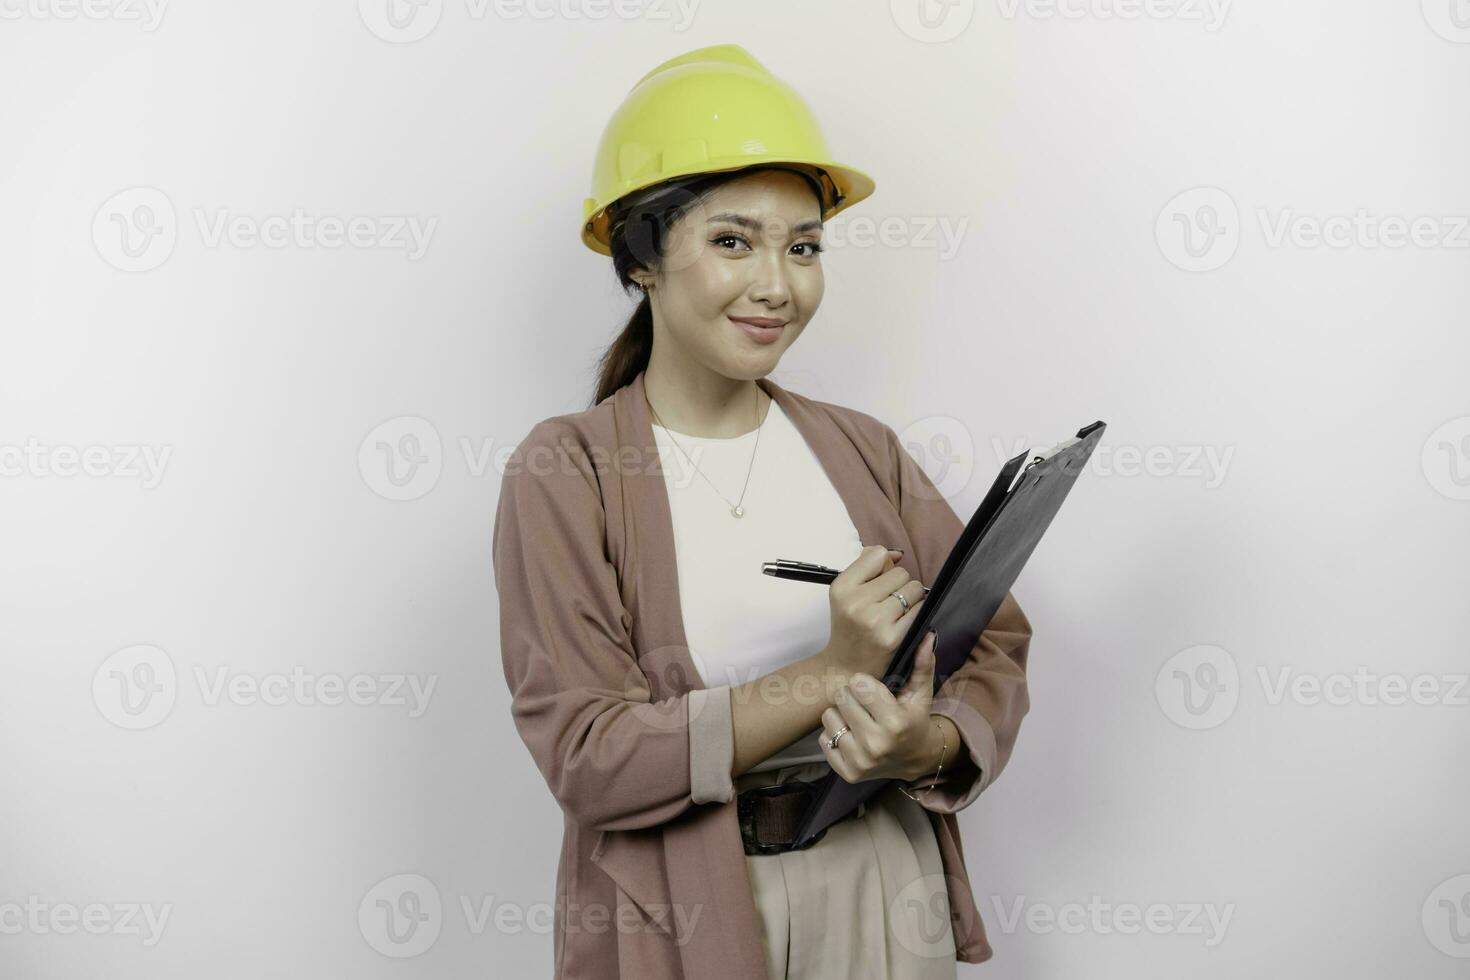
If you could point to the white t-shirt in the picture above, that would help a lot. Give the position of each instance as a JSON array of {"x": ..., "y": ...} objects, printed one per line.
[{"x": 742, "y": 624}]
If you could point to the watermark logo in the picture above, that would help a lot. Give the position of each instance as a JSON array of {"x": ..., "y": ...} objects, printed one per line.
[
  {"x": 1199, "y": 230},
  {"x": 402, "y": 458},
  {"x": 1446, "y": 917},
  {"x": 129, "y": 461},
  {"x": 1362, "y": 686},
  {"x": 1098, "y": 918},
  {"x": 406, "y": 233},
  {"x": 678, "y": 13},
  {"x": 406, "y": 21},
  {"x": 147, "y": 14},
  {"x": 932, "y": 21},
  {"x": 944, "y": 450},
  {"x": 938, "y": 233},
  {"x": 401, "y": 916},
  {"x": 919, "y": 917},
  {"x": 1198, "y": 687},
  {"x": 1362, "y": 229},
  {"x": 1194, "y": 461},
  {"x": 40, "y": 918},
  {"x": 302, "y": 687},
  {"x": 135, "y": 230},
  {"x": 136, "y": 687},
  {"x": 1446, "y": 459},
  {"x": 404, "y": 915},
  {"x": 1450, "y": 19},
  {"x": 400, "y": 21},
  {"x": 1209, "y": 13},
  {"x": 652, "y": 686},
  {"x": 675, "y": 919}
]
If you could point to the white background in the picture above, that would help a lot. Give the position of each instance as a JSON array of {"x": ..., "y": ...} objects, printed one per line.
[{"x": 1328, "y": 383}]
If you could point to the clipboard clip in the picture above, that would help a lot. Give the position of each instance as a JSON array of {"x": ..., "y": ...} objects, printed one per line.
[{"x": 1046, "y": 452}]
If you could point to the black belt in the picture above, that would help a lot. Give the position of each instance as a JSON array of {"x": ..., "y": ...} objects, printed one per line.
[{"x": 769, "y": 816}]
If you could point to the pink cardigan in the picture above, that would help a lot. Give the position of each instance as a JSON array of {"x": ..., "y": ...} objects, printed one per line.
[{"x": 651, "y": 882}]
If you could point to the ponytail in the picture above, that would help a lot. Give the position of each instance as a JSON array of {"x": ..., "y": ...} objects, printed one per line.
[{"x": 629, "y": 352}]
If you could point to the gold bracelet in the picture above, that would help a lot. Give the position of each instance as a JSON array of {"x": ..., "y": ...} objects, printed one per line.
[{"x": 943, "y": 748}]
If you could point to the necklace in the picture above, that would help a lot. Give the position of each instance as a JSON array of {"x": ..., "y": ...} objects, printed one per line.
[{"x": 736, "y": 510}]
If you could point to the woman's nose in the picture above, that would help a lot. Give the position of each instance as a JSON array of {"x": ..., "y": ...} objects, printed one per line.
[{"x": 771, "y": 284}]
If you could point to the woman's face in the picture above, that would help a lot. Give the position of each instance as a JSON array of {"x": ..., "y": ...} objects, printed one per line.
[{"x": 748, "y": 250}]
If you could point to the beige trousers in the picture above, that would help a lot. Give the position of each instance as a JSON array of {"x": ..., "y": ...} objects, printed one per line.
[{"x": 866, "y": 902}]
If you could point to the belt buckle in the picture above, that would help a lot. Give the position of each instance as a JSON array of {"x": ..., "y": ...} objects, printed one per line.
[{"x": 745, "y": 804}]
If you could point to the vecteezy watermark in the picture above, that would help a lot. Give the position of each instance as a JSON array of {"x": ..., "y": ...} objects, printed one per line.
[
  {"x": 402, "y": 458},
  {"x": 919, "y": 917},
  {"x": 147, "y": 14},
  {"x": 127, "y": 461},
  {"x": 937, "y": 21},
  {"x": 137, "y": 687},
  {"x": 136, "y": 230},
  {"x": 1191, "y": 461},
  {"x": 301, "y": 687},
  {"x": 1210, "y": 14},
  {"x": 39, "y": 918},
  {"x": 1363, "y": 229},
  {"x": 403, "y": 916},
  {"x": 932, "y": 21},
  {"x": 763, "y": 684},
  {"x": 1446, "y": 458},
  {"x": 688, "y": 241},
  {"x": 406, "y": 21},
  {"x": 1200, "y": 229},
  {"x": 1098, "y": 918},
  {"x": 944, "y": 449},
  {"x": 1362, "y": 686},
  {"x": 1200, "y": 687},
  {"x": 939, "y": 233},
  {"x": 677, "y": 919},
  {"x": 1450, "y": 19},
  {"x": 1446, "y": 916}
]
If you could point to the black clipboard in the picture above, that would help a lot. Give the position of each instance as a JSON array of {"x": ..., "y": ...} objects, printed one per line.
[{"x": 981, "y": 568}]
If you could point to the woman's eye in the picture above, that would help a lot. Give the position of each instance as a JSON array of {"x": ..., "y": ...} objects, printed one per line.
[{"x": 812, "y": 247}]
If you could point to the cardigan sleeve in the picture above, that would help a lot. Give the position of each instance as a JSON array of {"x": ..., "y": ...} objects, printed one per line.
[
  {"x": 986, "y": 697},
  {"x": 613, "y": 758}
]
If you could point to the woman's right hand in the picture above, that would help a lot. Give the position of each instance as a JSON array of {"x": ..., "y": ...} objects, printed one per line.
[{"x": 868, "y": 623}]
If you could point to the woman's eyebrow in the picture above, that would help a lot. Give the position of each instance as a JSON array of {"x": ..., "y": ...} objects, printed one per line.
[{"x": 744, "y": 222}]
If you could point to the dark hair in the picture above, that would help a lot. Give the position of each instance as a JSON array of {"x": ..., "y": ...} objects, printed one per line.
[{"x": 638, "y": 227}]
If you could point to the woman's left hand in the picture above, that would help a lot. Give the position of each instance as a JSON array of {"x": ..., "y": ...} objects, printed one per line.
[{"x": 890, "y": 736}]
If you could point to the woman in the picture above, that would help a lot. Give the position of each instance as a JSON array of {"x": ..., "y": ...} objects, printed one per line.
[{"x": 677, "y": 701}]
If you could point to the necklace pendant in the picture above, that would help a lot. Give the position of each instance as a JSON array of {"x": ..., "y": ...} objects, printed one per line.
[{"x": 738, "y": 511}]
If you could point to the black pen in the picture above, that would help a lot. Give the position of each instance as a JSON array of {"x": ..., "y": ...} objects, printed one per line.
[{"x": 804, "y": 571}]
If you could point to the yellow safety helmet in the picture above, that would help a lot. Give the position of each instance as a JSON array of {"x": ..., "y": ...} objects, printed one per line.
[{"x": 709, "y": 110}]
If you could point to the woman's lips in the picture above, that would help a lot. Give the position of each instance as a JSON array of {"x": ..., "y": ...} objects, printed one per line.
[{"x": 756, "y": 328}]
